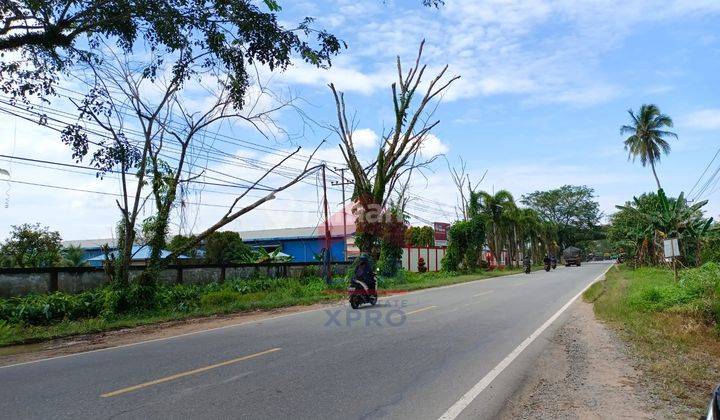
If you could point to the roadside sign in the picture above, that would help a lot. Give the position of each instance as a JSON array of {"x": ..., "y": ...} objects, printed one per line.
[
  {"x": 671, "y": 248},
  {"x": 441, "y": 233}
]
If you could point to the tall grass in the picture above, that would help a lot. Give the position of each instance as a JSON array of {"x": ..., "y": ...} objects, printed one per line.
[{"x": 672, "y": 328}]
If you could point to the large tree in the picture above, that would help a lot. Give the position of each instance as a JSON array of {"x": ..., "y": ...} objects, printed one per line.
[
  {"x": 572, "y": 209},
  {"x": 42, "y": 39},
  {"x": 647, "y": 136},
  {"x": 414, "y": 101}
]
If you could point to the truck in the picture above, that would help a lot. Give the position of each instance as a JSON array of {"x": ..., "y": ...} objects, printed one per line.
[{"x": 571, "y": 255}]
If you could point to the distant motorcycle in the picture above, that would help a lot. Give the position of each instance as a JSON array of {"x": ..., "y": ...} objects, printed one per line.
[
  {"x": 547, "y": 266},
  {"x": 526, "y": 264}
]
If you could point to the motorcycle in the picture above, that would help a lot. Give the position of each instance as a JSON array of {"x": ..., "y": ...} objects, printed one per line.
[
  {"x": 547, "y": 266},
  {"x": 527, "y": 267},
  {"x": 360, "y": 293}
]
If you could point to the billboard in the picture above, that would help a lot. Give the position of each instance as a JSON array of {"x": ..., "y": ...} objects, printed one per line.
[{"x": 441, "y": 230}]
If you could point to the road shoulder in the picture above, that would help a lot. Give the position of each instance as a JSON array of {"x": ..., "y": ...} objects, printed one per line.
[{"x": 584, "y": 371}]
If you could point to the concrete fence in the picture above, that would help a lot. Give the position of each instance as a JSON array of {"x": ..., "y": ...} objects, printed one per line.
[
  {"x": 22, "y": 281},
  {"x": 432, "y": 255}
]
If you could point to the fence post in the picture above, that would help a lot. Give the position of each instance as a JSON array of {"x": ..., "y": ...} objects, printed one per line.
[
  {"x": 222, "y": 274},
  {"x": 53, "y": 283},
  {"x": 179, "y": 277}
]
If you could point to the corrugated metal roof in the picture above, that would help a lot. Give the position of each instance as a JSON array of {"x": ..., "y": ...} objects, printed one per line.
[
  {"x": 250, "y": 235},
  {"x": 297, "y": 232},
  {"x": 139, "y": 253},
  {"x": 90, "y": 243}
]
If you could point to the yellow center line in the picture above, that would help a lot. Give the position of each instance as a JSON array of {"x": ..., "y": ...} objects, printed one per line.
[
  {"x": 183, "y": 374},
  {"x": 482, "y": 293},
  {"x": 421, "y": 309}
]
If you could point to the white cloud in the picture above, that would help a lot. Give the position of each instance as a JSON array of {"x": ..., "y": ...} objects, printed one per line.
[
  {"x": 547, "y": 51},
  {"x": 706, "y": 119},
  {"x": 365, "y": 138},
  {"x": 432, "y": 146}
]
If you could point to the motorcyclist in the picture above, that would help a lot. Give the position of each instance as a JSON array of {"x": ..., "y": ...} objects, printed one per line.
[
  {"x": 364, "y": 272},
  {"x": 553, "y": 261},
  {"x": 526, "y": 261},
  {"x": 547, "y": 260}
]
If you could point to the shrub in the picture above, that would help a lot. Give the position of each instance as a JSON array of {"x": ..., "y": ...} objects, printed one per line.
[{"x": 421, "y": 265}]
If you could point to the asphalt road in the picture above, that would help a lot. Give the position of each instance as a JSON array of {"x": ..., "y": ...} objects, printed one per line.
[{"x": 414, "y": 356}]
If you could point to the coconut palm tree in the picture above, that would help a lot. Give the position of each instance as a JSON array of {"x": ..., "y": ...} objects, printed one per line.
[{"x": 647, "y": 139}]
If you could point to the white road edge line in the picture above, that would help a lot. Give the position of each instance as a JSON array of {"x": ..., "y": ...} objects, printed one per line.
[
  {"x": 154, "y": 340},
  {"x": 457, "y": 408}
]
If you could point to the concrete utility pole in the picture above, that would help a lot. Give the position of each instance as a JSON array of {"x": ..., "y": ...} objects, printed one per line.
[
  {"x": 326, "y": 257},
  {"x": 343, "y": 184}
]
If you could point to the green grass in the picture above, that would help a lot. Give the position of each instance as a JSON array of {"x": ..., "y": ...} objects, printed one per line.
[
  {"x": 671, "y": 328},
  {"x": 235, "y": 296}
]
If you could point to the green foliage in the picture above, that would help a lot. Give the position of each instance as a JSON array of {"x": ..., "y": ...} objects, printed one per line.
[
  {"x": 571, "y": 208},
  {"x": 31, "y": 246},
  {"x": 697, "y": 293},
  {"x": 389, "y": 262},
  {"x": 220, "y": 298},
  {"x": 67, "y": 32},
  {"x": 73, "y": 256},
  {"x": 647, "y": 136},
  {"x": 465, "y": 243},
  {"x": 640, "y": 226},
  {"x": 711, "y": 249},
  {"x": 178, "y": 242},
  {"x": 420, "y": 236},
  {"x": 226, "y": 247},
  {"x": 261, "y": 256}
]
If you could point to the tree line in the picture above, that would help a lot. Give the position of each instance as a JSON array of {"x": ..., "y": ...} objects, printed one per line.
[{"x": 541, "y": 223}]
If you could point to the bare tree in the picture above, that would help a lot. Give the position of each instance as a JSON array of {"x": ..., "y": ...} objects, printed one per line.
[
  {"x": 375, "y": 182},
  {"x": 148, "y": 130},
  {"x": 461, "y": 179}
]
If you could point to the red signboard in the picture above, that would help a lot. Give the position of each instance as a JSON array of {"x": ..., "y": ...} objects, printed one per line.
[{"x": 441, "y": 233}]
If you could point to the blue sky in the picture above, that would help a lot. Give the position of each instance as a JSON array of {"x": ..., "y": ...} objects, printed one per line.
[{"x": 545, "y": 86}]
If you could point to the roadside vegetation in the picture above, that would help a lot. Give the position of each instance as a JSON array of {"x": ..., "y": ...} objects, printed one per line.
[
  {"x": 672, "y": 328},
  {"x": 38, "y": 317},
  {"x": 671, "y": 323}
]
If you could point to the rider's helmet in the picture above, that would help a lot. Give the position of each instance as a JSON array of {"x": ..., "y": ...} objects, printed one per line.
[{"x": 363, "y": 257}]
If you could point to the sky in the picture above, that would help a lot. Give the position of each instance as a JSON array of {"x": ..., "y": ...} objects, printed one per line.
[{"x": 545, "y": 86}]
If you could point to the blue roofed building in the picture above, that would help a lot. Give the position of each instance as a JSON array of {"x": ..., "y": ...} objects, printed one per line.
[{"x": 303, "y": 244}]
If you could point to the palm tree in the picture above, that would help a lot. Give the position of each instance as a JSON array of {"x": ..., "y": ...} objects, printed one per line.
[
  {"x": 497, "y": 208},
  {"x": 647, "y": 137}
]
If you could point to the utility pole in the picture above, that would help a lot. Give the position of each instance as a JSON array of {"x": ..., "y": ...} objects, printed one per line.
[
  {"x": 343, "y": 184},
  {"x": 326, "y": 257}
]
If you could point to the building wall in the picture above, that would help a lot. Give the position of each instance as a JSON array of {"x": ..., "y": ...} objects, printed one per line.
[{"x": 303, "y": 249}]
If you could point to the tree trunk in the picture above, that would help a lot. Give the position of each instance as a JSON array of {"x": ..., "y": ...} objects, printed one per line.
[{"x": 652, "y": 165}]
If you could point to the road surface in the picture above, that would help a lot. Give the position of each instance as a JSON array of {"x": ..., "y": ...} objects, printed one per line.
[{"x": 457, "y": 352}]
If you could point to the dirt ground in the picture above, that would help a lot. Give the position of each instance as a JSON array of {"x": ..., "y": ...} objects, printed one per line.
[
  {"x": 584, "y": 372},
  {"x": 82, "y": 343}
]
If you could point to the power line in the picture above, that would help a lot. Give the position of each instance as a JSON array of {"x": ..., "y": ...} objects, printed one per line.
[
  {"x": 283, "y": 171},
  {"x": 704, "y": 172},
  {"x": 22, "y": 162},
  {"x": 36, "y": 184}
]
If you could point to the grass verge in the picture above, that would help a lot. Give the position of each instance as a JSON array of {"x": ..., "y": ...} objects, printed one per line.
[
  {"x": 671, "y": 328},
  {"x": 232, "y": 297}
]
